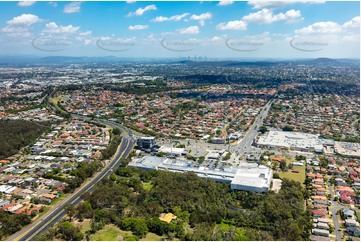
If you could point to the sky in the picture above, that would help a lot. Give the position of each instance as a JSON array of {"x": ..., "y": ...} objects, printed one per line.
[{"x": 289, "y": 29}]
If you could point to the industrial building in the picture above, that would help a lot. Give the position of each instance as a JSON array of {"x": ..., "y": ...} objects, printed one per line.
[
  {"x": 294, "y": 141},
  {"x": 247, "y": 177}
]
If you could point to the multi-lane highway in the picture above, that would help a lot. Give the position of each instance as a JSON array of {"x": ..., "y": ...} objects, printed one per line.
[
  {"x": 245, "y": 144},
  {"x": 57, "y": 212}
]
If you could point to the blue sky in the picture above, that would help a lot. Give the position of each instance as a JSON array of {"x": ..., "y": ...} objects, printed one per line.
[{"x": 246, "y": 29}]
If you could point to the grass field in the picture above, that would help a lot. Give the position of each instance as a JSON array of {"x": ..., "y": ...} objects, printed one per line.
[
  {"x": 110, "y": 232},
  {"x": 300, "y": 177},
  {"x": 152, "y": 237},
  {"x": 56, "y": 100},
  {"x": 84, "y": 225}
]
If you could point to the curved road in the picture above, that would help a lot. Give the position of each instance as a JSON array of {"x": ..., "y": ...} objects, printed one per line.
[{"x": 57, "y": 212}]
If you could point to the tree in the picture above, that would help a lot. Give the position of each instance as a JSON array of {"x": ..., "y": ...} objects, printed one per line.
[
  {"x": 70, "y": 232},
  {"x": 84, "y": 210},
  {"x": 116, "y": 131},
  {"x": 287, "y": 128},
  {"x": 283, "y": 165},
  {"x": 70, "y": 211},
  {"x": 263, "y": 129}
]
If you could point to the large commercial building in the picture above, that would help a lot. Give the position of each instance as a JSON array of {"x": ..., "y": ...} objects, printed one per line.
[
  {"x": 248, "y": 177},
  {"x": 146, "y": 142},
  {"x": 294, "y": 141}
]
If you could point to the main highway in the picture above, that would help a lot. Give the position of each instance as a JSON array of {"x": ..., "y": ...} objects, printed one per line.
[
  {"x": 57, "y": 212},
  {"x": 245, "y": 144}
]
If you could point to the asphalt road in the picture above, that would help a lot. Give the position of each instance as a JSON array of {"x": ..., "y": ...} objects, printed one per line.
[
  {"x": 245, "y": 144},
  {"x": 56, "y": 213},
  {"x": 335, "y": 207}
]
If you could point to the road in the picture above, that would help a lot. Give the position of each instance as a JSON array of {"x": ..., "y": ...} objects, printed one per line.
[
  {"x": 56, "y": 213},
  {"x": 245, "y": 144},
  {"x": 335, "y": 207}
]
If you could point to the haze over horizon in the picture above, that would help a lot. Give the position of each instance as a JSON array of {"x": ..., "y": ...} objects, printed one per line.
[{"x": 227, "y": 29}]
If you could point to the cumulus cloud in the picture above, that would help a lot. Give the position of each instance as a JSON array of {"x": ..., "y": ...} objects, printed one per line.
[
  {"x": 266, "y": 16},
  {"x": 257, "y": 4},
  {"x": 216, "y": 39},
  {"x": 141, "y": 11},
  {"x": 53, "y": 28},
  {"x": 16, "y": 31},
  {"x": 330, "y": 27},
  {"x": 332, "y": 32},
  {"x": 26, "y": 3},
  {"x": 138, "y": 27},
  {"x": 24, "y": 20},
  {"x": 321, "y": 28},
  {"x": 72, "y": 7},
  {"x": 189, "y": 30},
  {"x": 172, "y": 18},
  {"x": 86, "y": 33},
  {"x": 232, "y": 25},
  {"x": 201, "y": 18},
  {"x": 353, "y": 23},
  {"x": 225, "y": 2}
]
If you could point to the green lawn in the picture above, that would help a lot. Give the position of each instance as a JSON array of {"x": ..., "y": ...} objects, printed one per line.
[
  {"x": 152, "y": 237},
  {"x": 56, "y": 100},
  {"x": 110, "y": 232},
  {"x": 84, "y": 225},
  {"x": 300, "y": 177}
]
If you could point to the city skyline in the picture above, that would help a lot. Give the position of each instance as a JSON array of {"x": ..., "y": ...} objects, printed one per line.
[{"x": 226, "y": 29}]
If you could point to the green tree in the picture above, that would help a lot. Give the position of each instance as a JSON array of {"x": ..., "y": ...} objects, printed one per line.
[
  {"x": 70, "y": 232},
  {"x": 283, "y": 165},
  {"x": 263, "y": 129},
  {"x": 116, "y": 131},
  {"x": 287, "y": 128}
]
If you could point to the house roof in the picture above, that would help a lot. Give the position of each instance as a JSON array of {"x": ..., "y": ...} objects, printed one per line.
[{"x": 167, "y": 217}]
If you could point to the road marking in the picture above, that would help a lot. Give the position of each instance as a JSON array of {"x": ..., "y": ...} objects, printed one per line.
[{"x": 38, "y": 222}]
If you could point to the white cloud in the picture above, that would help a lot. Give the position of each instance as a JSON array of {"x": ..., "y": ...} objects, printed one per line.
[
  {"x": 201, "y": 18},
  {"x": 321, "y": 28},
  {"x": 26, "y": 3},
  {"x": 257, "y": 4},
  {"x": 225, "y": 2},
  {"x": 141, "y": 11},
  {"x": 73, "y": 7},
  {"x": 232, "y": 25},
  {"x": 86, "y": 33},
  {"x": 16, "y": 31},
  {"x": 138, "y": 27},
  {"x": 216, "y": 39},
  {"x": 189, "y": 30},
  {"x": 266, "y": 16},
  {"x": 349, "y": 28},
  {"x": 353, "y": 23},
  {"x": 52, "y": 27},
  {"x": 130, "y": 1},
  {"x": 87, "y": 41},
  {"x": 24, "y": 20},
  {"x": 172, "y": 18},
  {"x": 53, "y": 4}
]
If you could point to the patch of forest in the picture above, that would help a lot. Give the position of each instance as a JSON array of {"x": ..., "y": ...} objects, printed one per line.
[
  {"x": 16, "y": 134},
  {"x": 133, "y": 199}
]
